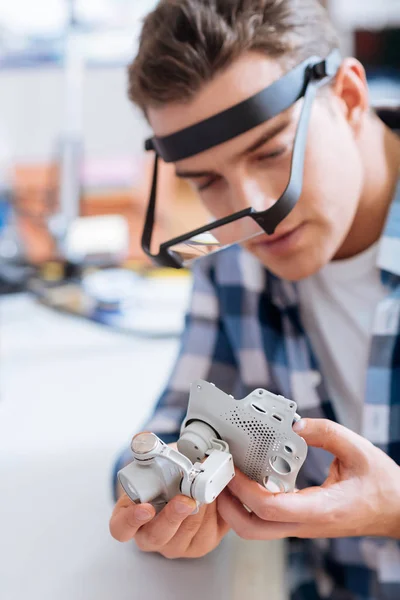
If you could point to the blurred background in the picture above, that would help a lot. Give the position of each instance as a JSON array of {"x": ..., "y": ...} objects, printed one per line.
[{"x": 89, "y": 329}]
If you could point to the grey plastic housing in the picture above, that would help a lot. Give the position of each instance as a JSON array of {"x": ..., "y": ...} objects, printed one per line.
[{"x": 258, "y": 430}]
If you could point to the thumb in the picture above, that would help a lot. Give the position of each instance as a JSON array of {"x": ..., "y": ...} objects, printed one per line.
[{"x": 349, "y": 447}]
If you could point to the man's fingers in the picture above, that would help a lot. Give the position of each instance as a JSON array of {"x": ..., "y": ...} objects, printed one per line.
[
  {"x": 312, "y": 505},
  {"x": 349, "y": 447},
  {"x": 248, "y": 525},
  {"x": 208, "y": 531},
  {"x": 164, "y": 526},
  {"x": 127, "y": 519},
  {"x": 254, "y": 496},
  {"x": 282, "y": 507}
]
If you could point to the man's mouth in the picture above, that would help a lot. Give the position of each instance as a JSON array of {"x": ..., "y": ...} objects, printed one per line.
[{"x": 279, "y": 243}]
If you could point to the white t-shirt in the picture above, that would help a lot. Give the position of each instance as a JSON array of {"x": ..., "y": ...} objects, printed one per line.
[{"x": 337, "y": 307}]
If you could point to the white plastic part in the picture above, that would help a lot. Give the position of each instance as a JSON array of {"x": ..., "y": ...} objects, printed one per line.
[
  {"x": 158, "y": 472},
  {"x": 258, "y": 430},
  {"x": 216, "y": 472},
  {"x": 99, "y": 235}
]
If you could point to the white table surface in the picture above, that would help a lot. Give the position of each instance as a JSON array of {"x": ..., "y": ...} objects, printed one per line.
[{"x": 71, "y": 395}]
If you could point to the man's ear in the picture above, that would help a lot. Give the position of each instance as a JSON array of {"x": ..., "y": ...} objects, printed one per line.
[{"x": 351, "y": 89}]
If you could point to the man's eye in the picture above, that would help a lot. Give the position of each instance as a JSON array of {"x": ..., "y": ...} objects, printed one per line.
[
  {"x": 207, "y": 184},
  {"x": 271, "y": 155}
]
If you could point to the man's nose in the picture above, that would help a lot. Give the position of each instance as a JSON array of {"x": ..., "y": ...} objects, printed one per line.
[{"x": 247, "y": 192}]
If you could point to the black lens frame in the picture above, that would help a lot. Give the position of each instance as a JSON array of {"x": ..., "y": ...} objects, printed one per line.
[{"x": 315, "y": 73}]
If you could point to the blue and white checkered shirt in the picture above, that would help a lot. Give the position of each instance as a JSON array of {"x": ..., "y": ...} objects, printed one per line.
[{"x": 243, "y": 331}]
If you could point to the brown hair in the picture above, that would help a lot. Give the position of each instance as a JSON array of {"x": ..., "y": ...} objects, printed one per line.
[{"x": 185, "y": 43}]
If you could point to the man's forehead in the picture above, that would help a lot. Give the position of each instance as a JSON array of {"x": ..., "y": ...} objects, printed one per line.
[{"x": 247, "y": 76}]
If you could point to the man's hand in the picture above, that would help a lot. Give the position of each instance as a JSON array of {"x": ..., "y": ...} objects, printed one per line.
[
  {"x": 360, "y": 497},
  {"x": 174, "y": 532}
]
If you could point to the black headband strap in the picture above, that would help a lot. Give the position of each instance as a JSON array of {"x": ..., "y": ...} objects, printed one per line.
[{"x": 246, "y": 115}]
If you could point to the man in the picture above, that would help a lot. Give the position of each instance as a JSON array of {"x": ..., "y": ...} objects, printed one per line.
[{"x": 311, "y": 312}]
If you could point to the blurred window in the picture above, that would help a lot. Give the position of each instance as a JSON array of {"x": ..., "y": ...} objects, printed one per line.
[{"x": 109, "y": 30}]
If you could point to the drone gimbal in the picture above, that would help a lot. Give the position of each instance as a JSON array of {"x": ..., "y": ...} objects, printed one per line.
[{"x": 254, "y": 434}]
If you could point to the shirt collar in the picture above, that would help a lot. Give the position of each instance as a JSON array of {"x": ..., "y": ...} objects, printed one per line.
[{"x": 389, "y": 245}]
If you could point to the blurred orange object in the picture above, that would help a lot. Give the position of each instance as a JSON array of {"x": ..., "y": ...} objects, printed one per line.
[{"x": 36, "y": 194}]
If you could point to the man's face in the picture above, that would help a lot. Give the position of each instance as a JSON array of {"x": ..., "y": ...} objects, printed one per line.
[{"x": 253, "y": 169}]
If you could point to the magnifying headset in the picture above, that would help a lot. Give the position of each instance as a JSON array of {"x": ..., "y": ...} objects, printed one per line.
[{"x": 303, "y": 81}]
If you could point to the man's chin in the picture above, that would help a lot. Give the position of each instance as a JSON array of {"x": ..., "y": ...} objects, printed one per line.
[{"x": 290, "y": 269}]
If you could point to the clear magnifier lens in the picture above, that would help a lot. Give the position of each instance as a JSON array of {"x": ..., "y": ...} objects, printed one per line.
[{"x": 215, "y": 239}]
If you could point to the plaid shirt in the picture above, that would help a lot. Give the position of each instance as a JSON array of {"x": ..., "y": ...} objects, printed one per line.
[{"x": 243, "y": 331}]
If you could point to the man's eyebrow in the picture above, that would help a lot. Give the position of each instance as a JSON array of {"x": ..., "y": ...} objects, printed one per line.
[
  {"x": 265, "y": 137},
  {"x": 193, "y": 174}
]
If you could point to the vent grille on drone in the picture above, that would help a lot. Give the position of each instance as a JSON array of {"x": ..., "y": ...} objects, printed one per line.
[{"x": 263, "y": 442}]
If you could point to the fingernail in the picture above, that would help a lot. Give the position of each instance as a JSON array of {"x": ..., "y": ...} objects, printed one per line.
[
  {"x": 299, "y": 425},
  {"x": 142, "y": 514},
  {"x": 183, "y": 508}
]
